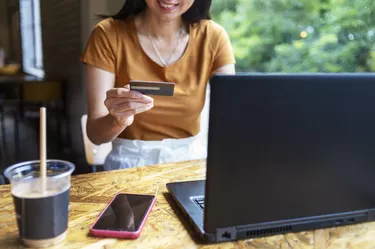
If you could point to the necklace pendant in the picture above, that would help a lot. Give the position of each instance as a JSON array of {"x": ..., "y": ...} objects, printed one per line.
[{"x": 157, "y": 51}]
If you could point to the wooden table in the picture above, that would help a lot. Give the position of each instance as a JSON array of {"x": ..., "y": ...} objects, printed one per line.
[{"x": 164, "y": 228}]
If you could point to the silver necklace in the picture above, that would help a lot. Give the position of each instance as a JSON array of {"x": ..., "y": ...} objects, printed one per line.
[{"x": 157, "y": 51}]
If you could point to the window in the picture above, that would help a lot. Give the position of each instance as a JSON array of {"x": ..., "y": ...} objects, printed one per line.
[
  {"x": 31, "y": 34},
  {"x": 297, "y": 36},
  {"x": 300, "y": 35}
]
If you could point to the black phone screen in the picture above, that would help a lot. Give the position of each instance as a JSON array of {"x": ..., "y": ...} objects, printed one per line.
[{"x": 125, "y": 213}]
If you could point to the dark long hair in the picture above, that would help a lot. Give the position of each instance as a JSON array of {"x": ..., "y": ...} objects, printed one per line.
[{"x": 200, "y": 10}]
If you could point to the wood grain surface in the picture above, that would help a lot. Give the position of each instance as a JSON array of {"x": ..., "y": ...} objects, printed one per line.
[{"x": 165, "y": 227}]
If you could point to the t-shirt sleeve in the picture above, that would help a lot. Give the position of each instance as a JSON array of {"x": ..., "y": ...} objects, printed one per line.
[
  {"x": 223, "y": 53},
  {"x": 99, "y": 50}
]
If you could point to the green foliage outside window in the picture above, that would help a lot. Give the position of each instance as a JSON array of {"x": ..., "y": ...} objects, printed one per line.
[{"x": 300, "y": 35}]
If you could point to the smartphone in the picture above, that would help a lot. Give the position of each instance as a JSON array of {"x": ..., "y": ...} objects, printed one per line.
[
  {"x": 153, "y": 87},
  {"x": 124, "y": 217}
]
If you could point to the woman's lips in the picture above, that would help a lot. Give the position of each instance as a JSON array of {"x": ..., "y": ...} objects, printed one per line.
[{"x": 167, "y": 7}]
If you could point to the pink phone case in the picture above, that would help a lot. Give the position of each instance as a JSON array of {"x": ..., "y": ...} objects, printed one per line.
[{"x": 120, "y": 234}]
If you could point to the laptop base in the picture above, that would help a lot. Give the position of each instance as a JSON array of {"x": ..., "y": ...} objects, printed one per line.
[
  {"x": 186, "y": 193},
  {"x": 183, "y": 194}
]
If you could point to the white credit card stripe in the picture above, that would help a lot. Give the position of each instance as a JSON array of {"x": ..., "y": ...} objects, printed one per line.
[{"x": 146, "y": 88}]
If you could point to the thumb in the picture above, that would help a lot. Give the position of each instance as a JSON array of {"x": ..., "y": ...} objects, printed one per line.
[{"x": 127, "y": 86}]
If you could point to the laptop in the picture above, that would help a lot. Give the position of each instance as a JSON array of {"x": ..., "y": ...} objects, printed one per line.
[{"x": 286, "y": 153}]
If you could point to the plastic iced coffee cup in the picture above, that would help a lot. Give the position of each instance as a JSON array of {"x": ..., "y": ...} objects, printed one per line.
[{"x": 41, "y": 214}]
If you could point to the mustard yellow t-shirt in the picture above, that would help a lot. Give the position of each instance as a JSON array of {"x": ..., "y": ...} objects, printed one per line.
[{"x": 114, "y": 46}]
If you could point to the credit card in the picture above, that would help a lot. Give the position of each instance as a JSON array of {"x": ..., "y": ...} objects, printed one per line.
[{"x": 152, "y": 87}]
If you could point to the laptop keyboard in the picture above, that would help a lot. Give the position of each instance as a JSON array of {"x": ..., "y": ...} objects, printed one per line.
[{"x": 200, "y": 202}]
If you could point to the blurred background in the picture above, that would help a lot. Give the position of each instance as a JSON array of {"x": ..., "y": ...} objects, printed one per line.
[
  {"x": 41, "y": 42},
  {"x": 300, "y": 35}
]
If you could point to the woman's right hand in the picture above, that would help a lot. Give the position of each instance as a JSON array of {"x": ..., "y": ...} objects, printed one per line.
[{"x": 123, "y": 104}]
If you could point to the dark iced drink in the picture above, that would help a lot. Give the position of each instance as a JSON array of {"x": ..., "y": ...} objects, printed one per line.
[{"x": 41, "y": 214}]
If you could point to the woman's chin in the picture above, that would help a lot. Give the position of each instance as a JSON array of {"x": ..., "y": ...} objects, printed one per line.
[{"x": 167, "y": 17}]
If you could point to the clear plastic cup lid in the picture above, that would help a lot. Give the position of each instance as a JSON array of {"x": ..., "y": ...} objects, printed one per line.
[{"x": 30, "y": 169}]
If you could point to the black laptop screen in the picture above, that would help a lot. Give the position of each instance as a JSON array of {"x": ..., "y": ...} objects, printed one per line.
[{"x": 290, "y": 147}]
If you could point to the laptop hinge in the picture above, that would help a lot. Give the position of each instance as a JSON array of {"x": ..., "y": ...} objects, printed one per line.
[{"x": 226, "y": 234}]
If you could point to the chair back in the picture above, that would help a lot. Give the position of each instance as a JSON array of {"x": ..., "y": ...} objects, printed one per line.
[{"x": 95, "y": 154}]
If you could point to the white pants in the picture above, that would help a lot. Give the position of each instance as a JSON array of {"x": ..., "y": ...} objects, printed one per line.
[{"x": 134, "y": 153}]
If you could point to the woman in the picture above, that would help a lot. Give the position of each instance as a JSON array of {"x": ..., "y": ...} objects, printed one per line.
[{"x": 152, "y": 40}]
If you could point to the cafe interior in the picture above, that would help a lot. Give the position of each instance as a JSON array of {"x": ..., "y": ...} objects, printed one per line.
[
  {"x": 40, "y": 47},
  {"x": 40, "y": 66}
]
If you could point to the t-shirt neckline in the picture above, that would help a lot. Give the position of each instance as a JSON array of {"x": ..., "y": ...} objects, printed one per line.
[{"x": 138, "y": 43}]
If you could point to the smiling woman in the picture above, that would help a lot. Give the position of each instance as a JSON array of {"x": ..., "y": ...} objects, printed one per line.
[{"x": 153, "y": 40}]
